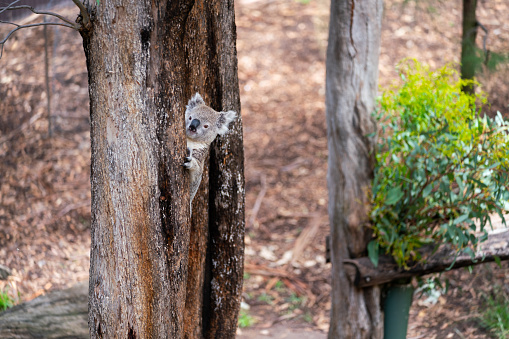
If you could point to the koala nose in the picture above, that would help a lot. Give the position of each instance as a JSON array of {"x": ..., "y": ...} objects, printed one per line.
[{"x": 195, "y": 123}]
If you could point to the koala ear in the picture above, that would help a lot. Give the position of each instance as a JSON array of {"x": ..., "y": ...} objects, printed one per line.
[
  {"x": 195, "y": 101},
  {"x": 224, "y": 120}
]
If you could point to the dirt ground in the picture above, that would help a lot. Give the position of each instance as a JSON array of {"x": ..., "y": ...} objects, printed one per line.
[{"x": 44, "y": 181}]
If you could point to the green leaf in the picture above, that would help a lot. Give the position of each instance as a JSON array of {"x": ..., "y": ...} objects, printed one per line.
[
  {"x": 498, "y": 261},
  {"x": 427, "y": 190},
  {"x": 471, "y": 253},
  {"x": 440, "y": 164},
  {"x": 460, "y": 219},
  {"x": 393, "y": 196},
  {"x": 373, "y": 249}
]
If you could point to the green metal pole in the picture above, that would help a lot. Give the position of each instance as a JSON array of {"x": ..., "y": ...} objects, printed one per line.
[{"x": 397, "y": 308}]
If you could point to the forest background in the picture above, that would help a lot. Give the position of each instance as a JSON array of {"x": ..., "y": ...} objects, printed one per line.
[{"x": 44, "y": 181}]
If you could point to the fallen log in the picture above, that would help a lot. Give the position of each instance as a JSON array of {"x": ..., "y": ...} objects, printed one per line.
[
  {"x": 363, "y": 273},
  {"x": 58, "y": 314}
]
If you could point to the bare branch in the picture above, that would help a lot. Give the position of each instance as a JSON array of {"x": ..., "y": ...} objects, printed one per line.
[
  {"x": 84, "y": 13},
  {"x": 9, "y": 23},
  {"x": 18, "y": 27},
  {"x": 3, "y": 9},
  {"x": 484, "y": 37},
  {"x": 11, "y": 7},
  {"x": 8, "y": 8},
  {"x": 258, "y": 202}
]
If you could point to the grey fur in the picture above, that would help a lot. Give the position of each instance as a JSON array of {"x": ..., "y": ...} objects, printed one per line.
[{"x": 200, "y": 135}]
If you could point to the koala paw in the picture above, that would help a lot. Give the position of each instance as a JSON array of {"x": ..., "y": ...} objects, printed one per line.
[
  {"x": 188, "y": 159},
  {"x": 187, "y": 162}
]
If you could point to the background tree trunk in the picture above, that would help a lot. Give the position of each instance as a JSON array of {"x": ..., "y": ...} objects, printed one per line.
[
  {"x": 145, "y": 60},
  {"x": 351, "y": 85},
  {"x": 469, "y": 59}
]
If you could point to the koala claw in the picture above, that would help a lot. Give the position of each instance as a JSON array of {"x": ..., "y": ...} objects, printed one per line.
[
  {"x": 188, "y": 159},
  {"x": 187, "y": 162}
]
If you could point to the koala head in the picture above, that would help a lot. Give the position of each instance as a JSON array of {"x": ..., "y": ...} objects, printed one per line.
[{"x": 203, "y": 124}]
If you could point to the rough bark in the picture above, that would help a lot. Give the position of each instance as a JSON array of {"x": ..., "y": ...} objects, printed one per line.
[
  {"x": 363, "y": 274},
  {"x": 145, "y": 60},
  {"x": 140, "y": 230},
  {"x": 58, "y": 314},
  {"x": 217, "y": 233},
  {"x": 351, "y": 84},
  {"x": 227, "y": 192},
  {"x": 469, "y": 58}
]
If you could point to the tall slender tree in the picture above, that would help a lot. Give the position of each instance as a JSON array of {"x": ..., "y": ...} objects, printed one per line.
[
  {"x": 351, "y": 84},
  {"x": 469, "y": 58}
]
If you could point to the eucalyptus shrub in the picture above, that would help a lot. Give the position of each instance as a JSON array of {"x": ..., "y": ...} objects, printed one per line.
[{"x": 441, "y": 167}]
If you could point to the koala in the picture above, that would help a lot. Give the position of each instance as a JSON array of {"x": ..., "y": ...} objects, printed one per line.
[{"x": 203, "y": 124}]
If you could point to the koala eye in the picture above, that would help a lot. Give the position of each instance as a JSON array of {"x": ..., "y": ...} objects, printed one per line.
[
  {"x": 190, "y": 118},
  {"x": 205, "y": 126}
]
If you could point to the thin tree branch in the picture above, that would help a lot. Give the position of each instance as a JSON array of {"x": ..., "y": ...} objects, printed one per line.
[
  {"x": 84, "y": 12},
  {"x": 46, "y": 75},
  {"x": 18, "y": 27},
  {"x": 8, "y": 8},
  {"x": 11, "y": 7},
  {"x": 3, "y": 9},
  {"x": 258, "y": 202},
  {"x": 484, "y": 37},
  {"x": 9, "y": 23}
]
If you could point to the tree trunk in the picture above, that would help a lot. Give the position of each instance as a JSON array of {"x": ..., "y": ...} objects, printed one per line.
[
  {"x": 469, "y": 59},
  {"x": 351, "y": 85},
  {"x": 227, "y": 193},
  {"x": 216, "y": 253},
  {"x": 145, "y": 60}
]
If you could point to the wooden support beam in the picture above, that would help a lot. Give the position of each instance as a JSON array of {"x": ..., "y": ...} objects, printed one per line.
[{"x": 362, "y": 272}]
